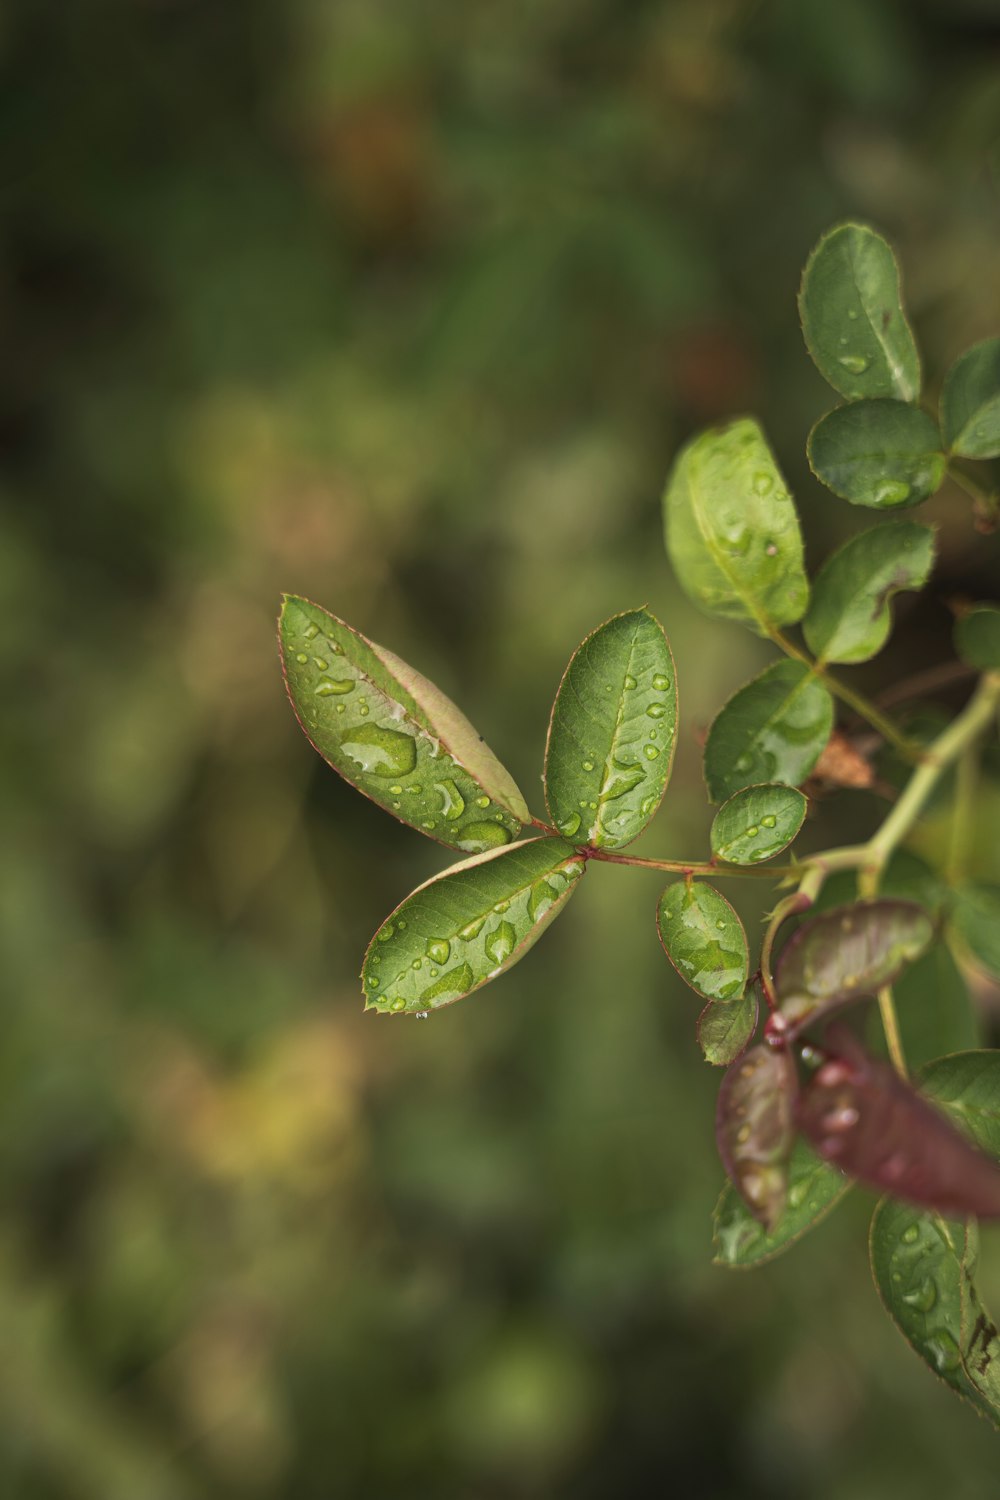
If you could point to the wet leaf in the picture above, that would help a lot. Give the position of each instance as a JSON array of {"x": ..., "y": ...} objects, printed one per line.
[
  {"x": 704, "y": 939},
  {"x": 882, "y": 454},
  {"x": 773, "y": 729},
  {"x": 465, "y": 927},
  {"x": 916, "y": 1261},
  {"x": 975, "y": 918},
  {"x": 757, "y": 823},
  {"x": 852, "y": 316},
  {"x": 725, "y": 1028},
  {"x": 731, "y": 529},
  {"x": 843, "y": 954},
  {"x": 970, "y": 402},
  {"x": 849, "y": 618},
  {"x": 814, "y": 1188},
  {"x": 755, "y": 1129},
  {"x": 612, "y": 734},
  {"x": 858, "y": 1113},
  {"x": 394, "y": 735},
  {"x": 977, "y": 637}
]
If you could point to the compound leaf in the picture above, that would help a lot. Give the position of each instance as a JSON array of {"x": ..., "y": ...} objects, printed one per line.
[
  {"x": 881, "y": 454},
  {"x": 970, "y": 402},
  {"x": 394, "y": 735},
  {"x": 463, "y": 928},
  {"x": 704, "y": 939},
  {"x": 612, "y": 733},
  {"x": 852, "y": 316},
  {"x": 773, "y": 729},
  {"x": 814, "y": 1188},
  {"x": 731, "y": 529},
  {"x": 757, "y": 823},
  {"x": 849, "y": 617}
]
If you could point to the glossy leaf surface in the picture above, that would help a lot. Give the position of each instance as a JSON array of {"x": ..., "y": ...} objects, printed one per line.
[
  {"x": 858, "y": 1113},
  {"x": 916, "y": 1263},
  {"x": 814, "y": 1188},
  {"x": 773, "y": 729},
  {"x": 881, "y": 454},
  {"x": 976, "y": 918},
  {"x": 970, "y": 402},
  {"x": 731, "y": 529},
  {"x": 852, "y": 316},
  {"x": 977, "y": 637},
  {"x": 612, "y": 733},
  {"x": 755, "y": 1129},
  {"x": 757, "y": 823},
  {"x": 725, "y": 1028},
  {"x": 394, "y": 735},
  {"x": 704, "y": 939},
  {"x": 849, "y": 618},
  {"x": 465, "y": 927},
  {"x": 848, "y": 952}
]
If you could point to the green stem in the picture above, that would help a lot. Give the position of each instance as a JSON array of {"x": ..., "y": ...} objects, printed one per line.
[{"x": 862, "y": 706}]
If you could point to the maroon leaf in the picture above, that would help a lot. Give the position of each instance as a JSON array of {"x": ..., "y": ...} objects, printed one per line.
[
  {"x": 755, "y": 1128},
  {"x": 860, "y": 1115},
  {"x": 847, "y": 953}
]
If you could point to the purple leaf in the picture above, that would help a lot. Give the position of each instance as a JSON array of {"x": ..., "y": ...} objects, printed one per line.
[
  {"x": 860, "y": 1115},
  {"x": 755, "y": 1128},
  {"x": 847, "y": 953}
]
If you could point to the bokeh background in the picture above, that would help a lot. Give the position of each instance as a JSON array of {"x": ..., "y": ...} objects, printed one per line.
[{"x": 406, "y": 307}]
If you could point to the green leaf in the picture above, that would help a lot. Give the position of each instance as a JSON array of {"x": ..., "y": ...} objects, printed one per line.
[
  {"x": 976, "y": 918},
  {"x": 977, "y": 637},
  {"x": 916, "y": 1263},
  {"x": 846, "y": 953},
  {"x": 970, "y": 402},
  {"x": 967, "y": 1087},
  {"x": 731, "y": 529},
  {"x": 394, "y": 735},
  {"x": 773, "y": 729},
  {"x": 465, "y": 927},
  {"x": 704, "y": 939},
  {"x": 612, "y": 733},
  {"x": 882, "y": 454},
  {"x": 849, "y": 618},
  {"x": 814, "y": 1188},
  {"x": 725, "y": 1028},
  {"x": 852, "y": 316},
  {"x": 757, "y": 823}
]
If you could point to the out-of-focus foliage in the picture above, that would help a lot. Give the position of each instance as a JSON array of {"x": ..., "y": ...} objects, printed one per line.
[{"x": 408, "y": 309}]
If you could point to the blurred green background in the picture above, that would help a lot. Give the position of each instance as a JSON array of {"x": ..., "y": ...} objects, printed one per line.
[{"x": 407, "y": 307}]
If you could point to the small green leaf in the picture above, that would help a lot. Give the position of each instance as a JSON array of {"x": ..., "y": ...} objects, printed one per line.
[
  {"x": 725, "y": 1028},
  {"x": 757, "y": 823},
  {"x": 773, "y": 729},
  {"x": 916, "y": 1262},
  {"x": 814, "y": 1187},
  {"x": 846, "y": 953},
  {"x": 731, "y": 529},
  {"x": 970, "y": 402},
  {"x": 976, "y": 918},
  {"x": 852, "y": 316},
  {"x": 612, "y": 734},
  {"x": 849, "y": 618},
  {"x": 882, "y": 454},
  {"x": 977, "y": 637},
  {"x": 704, "y": 939},
  {"x": 465, "y": 927},
  {"x": 394, "y": 735}
]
